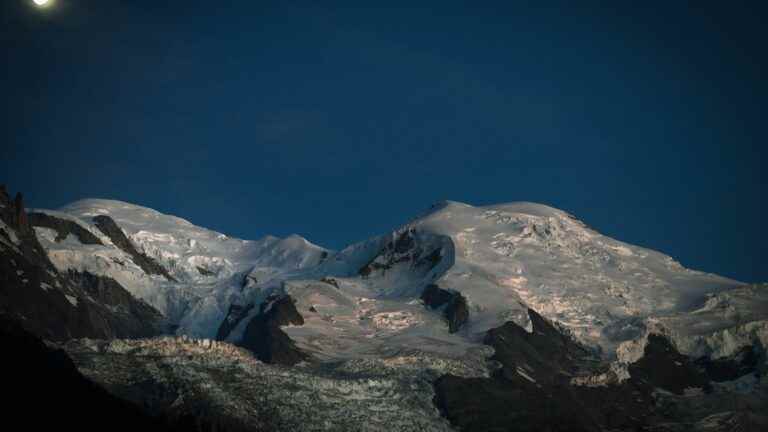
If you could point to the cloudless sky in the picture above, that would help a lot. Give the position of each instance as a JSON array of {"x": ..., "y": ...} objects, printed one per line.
[{"x": 343, "y": 120}]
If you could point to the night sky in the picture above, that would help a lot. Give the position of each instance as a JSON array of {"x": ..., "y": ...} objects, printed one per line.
[{"x": 341, "y": 122}]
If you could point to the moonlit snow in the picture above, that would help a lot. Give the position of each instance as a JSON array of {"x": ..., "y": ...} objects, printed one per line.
[{"x": 502, "y": 258}]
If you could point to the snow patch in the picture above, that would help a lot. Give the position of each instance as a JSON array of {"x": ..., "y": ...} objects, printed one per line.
[
  {"x": 522, "y": 373},
  {"x": 72, "y": 299},
  {"x": 11, "y": 233},
  {"x": 395, "y": 321}
]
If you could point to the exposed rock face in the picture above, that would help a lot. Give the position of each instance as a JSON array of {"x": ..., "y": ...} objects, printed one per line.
[
  {"x": 108, "y": 226},
  {"x": 664, "y": 367},
  {"x": 403, "y": 248},
  {"x": 330, "y": 281},
  {"x": 264, "y": 337},
  {"x": 453, "y": 305},
  {"x": 204, "y": 271},
  {"x": 22, "y": 239},
  {"x": 31, "y": 289},
  {"x": 130, "y": 317},
  {"x": 20, "y": 215},
  {"x": 435, "y": 297},
  {"x": 235, "y": 315},
  {"x": 534, "y": 388},
  {"x": 248, "y": 280},
  {"x": 48, "y": 312},
  {"x": 53, "y": 305},
  {"x": 531, "y": 390},
  {"x": 544, "y": 351},
  {"x": 38, "y": 377},
  {"x": 528, "y": 392},
  {"x": 745, "y": 361},
  {"x": 457, "y": 313},
  {"x": 63, "y": 228},
  {"x": 404, "y": 243}
]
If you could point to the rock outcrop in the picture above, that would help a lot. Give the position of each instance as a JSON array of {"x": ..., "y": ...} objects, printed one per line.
[
  {"x": 544, "y": 353},
  {"x": 541, "y": 384},
  {"x": 746, "y": 361},
  {"x": 403, "y": 248},
  {"x": 235, "y": 315},
  {"x": 109, "y": 227},
  {"x": 204, "y": 271},
  {"x": 63, "y": 228},
  {"x": 531, "y": 390},
  {"x": 330, "y": 281},
  {"x": 60, "y": 306},
  {"x": 453, "y": 305},
  {"x": 129, "y": 317},
  {"x": 31, "y": 289},
  {"x": 20, "y": 219},
  {"x": 662, "y": 366},
  {"x": 526, "y": 393},
  {"x": 264, "y": 337}
]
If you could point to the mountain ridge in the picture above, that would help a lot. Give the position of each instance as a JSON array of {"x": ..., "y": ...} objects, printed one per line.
[{"x": 521, "y": 248}]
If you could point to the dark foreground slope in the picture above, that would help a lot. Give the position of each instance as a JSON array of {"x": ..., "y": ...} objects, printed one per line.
[{"x": 42, "y": 387}]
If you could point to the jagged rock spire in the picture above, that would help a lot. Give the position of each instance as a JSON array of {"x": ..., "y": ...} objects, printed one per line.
[
  {"x": 20, "y": 216},
  {"x": 4, "y": 198}
]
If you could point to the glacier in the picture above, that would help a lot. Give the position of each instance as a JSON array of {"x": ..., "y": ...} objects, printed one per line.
[{"x": 502, "y": 258}]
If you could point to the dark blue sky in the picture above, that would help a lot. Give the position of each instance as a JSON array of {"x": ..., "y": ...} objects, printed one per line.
[{"x": 253, "y": 117}]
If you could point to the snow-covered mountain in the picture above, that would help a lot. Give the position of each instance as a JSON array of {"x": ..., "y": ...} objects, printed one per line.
[
  {"x": 207, "y": 269},
  {"x": 503, "y": 259},
  {"x": 510, "y": 296}
]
